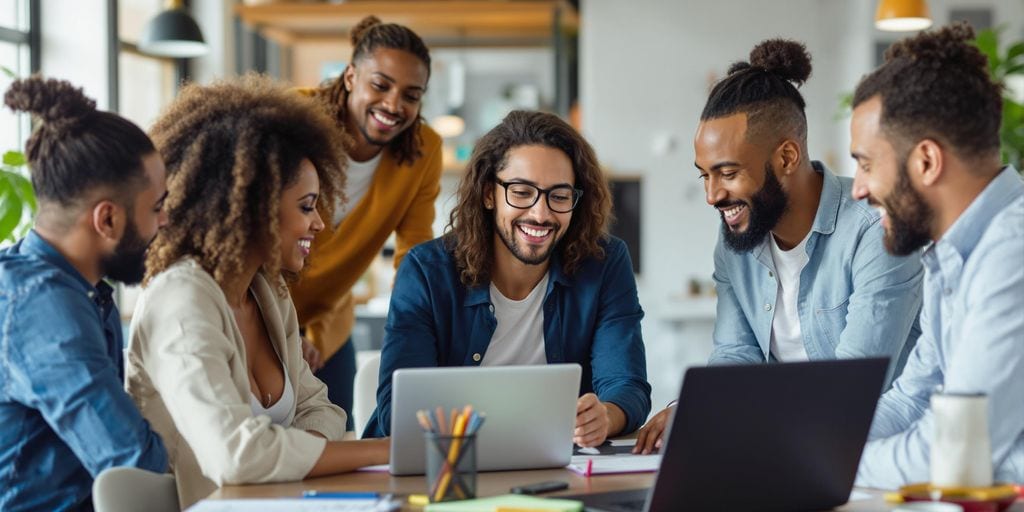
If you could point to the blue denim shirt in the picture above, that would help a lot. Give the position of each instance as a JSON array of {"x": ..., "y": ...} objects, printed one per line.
[
  {"x": 855, "y": 300},
  {"x": 972, "y": 341},
  {"x": 591, "y": 318},
  {"x": 64, "y": 413}
]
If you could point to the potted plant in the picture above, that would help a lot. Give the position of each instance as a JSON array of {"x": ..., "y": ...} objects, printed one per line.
[{"x": 1007, "y": 67}]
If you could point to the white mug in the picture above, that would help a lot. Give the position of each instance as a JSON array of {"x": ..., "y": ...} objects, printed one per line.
[{"x": 961, "y": 455}]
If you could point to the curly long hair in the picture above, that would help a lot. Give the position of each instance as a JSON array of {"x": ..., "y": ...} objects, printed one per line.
[
  {"x": 367, "y": 36},
  {"x": 470, "y": 231},
  {"x": 230, "y": 149},
  {"x": 937, "y": 85}
]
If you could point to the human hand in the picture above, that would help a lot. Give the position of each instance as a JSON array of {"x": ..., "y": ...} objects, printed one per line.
[
  {"x": 311, "y": 355},
  {"x": 650, "y": 436},
  {"x": 592, "y": 421}
]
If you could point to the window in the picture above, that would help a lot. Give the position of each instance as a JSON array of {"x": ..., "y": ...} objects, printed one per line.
[
  {"x": 18, "y": 48},
  {"x": 146, "y": 84}
]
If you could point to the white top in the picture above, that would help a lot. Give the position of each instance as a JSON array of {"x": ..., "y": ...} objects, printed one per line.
[
  {"x": 358, "y": 177},
  {"x": 279, "y": 412},
  {"x": 519, "y": 337},
  {"x": 787, "y": 342}
]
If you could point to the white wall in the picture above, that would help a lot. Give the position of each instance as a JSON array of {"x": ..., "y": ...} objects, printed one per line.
[{"x": 646, "y": 67}]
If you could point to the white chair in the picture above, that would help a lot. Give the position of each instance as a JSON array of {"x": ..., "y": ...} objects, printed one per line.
[
  {"x": 127, "y": 489},
  {"x": 364, "y": 391}
]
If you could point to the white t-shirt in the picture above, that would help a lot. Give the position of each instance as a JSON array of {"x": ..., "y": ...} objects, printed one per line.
[
  {"x": 357, "y": 181},
  {"x": 519, "y": 336},
  {"x": 787, "y": 342}
]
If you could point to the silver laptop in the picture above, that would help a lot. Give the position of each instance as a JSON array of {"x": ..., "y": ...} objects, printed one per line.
[{"x": 531, "y": 411}]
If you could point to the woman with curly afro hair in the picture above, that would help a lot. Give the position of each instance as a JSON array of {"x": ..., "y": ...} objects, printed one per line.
[{"x": 215, "y": 362}]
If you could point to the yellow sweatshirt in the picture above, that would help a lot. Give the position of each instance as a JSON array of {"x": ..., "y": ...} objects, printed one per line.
[{"x": 400, "y": 200}]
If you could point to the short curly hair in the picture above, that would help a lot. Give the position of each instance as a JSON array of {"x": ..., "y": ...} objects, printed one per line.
[
  {"x": 470, "y": 231},
  {"x": 230, "y": 149},
  {"x": 936, "y": 85}
]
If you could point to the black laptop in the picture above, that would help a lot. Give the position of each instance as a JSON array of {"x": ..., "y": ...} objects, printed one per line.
[{"x": 761, "y": 438}]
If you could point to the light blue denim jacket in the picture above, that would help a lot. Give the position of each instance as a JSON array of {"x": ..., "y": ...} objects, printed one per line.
[
  {"x": 972, "y": 341},
  {"x": 855, "y": 299}
]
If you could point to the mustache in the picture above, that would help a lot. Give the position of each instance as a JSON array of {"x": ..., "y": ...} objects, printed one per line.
[
  {"x": 728, "y": 204},
  {"x": 551, "y": 225}
]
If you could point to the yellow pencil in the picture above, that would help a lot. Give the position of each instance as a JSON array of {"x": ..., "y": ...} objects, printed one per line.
[{"x": 453, "y": 451}]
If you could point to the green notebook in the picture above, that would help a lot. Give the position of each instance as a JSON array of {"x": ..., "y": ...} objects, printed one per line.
[{"x": 511, "y": 501}]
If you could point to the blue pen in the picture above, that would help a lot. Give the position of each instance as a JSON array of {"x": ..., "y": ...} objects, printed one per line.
[{"x": 341, "y": 495}]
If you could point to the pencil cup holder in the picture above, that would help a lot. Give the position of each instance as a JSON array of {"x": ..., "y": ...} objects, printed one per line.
[{"x": 451, "y": 467}]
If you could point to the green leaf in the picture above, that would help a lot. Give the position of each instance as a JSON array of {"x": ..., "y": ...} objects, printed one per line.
[
  {"x": 7, "y": 71},
  {"x": 24, "y": 188},
  {"x": 1015, "y": 53},
  {"x": 10, "y": 210},
  {"x": 1013, "y": 70},
  {"x": 988, "y": 42},
  {"x": 14, "y": 158}
]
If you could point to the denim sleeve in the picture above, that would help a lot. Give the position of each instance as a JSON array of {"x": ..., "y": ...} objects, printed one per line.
[
  {"x": 62, "y": 369},
  {"x": 617, "y": 349},
  {"x": 886, "y": 299},
  {"x": 410, "y": 335},
  {"x": 733, "y": 339}
]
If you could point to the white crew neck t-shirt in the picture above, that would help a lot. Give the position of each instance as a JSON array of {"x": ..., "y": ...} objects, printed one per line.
[
  {"x": 519, "y": 337},
  {"x": 358, "y": 177},
  {"x": 787, "y": 343}
]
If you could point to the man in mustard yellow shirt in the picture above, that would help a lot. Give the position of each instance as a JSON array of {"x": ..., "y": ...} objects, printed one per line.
[{"x": 393, "y": 179}]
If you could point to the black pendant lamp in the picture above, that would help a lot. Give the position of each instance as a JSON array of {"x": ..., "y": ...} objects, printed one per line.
[{"x": 173, "y": 33}]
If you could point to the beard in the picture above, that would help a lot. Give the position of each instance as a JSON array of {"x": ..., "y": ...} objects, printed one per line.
[
  {"x": 910, "y": 217},
  {"x": 524, "y": 254},
  {"x": 766, "y": 208},
  {"x": 127, "y": 263},
  {"x": 369, "y": 139}
]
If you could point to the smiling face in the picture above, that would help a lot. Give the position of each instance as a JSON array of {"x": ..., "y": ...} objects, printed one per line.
[
  {"x": 883, "y": 180},
  {"x": 531, "y": 234},
  {"x": 298, "y": 220},
  {"x": 739, "y": 181},
  {"x": 385, "y": 92}
]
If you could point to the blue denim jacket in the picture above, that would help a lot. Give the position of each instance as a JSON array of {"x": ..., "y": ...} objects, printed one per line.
[
  {"x": 64, "y": 414},
  {"x": 855, "y": 299},
  {"x": 591, "y": 318},
  {"x": 972, "y": 342}
]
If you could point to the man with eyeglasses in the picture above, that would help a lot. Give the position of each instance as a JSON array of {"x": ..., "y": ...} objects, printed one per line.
[{"x": 526, "y": 273}]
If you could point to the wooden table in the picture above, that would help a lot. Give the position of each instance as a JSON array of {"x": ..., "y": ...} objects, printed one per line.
[{"x": 490, "y": 484}]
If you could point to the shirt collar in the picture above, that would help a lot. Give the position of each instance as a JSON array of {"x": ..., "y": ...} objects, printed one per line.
[
  {"x": 965, "y": 232},
  {"x": 35, "y": 245},
  {"x": 482, "y": 294},
  {"x": 829, "y": 202}
]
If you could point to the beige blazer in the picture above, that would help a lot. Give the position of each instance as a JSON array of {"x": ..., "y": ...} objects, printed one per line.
[{"x": 187, "y": 372}]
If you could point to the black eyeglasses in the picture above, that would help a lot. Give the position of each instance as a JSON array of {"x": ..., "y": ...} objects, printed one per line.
[{"x": 560, "y": 198}]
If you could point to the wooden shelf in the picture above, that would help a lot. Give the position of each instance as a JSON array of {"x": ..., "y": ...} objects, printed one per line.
[{"x": 439, "y": 22}]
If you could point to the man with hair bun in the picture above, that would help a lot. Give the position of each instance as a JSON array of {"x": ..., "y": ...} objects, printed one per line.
[
  {"x": 394, "y": 177},
  {"x": 64, "y": 413},
  {"x": 800, "y": 269},
  {"x": 925, "y": 135}
]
